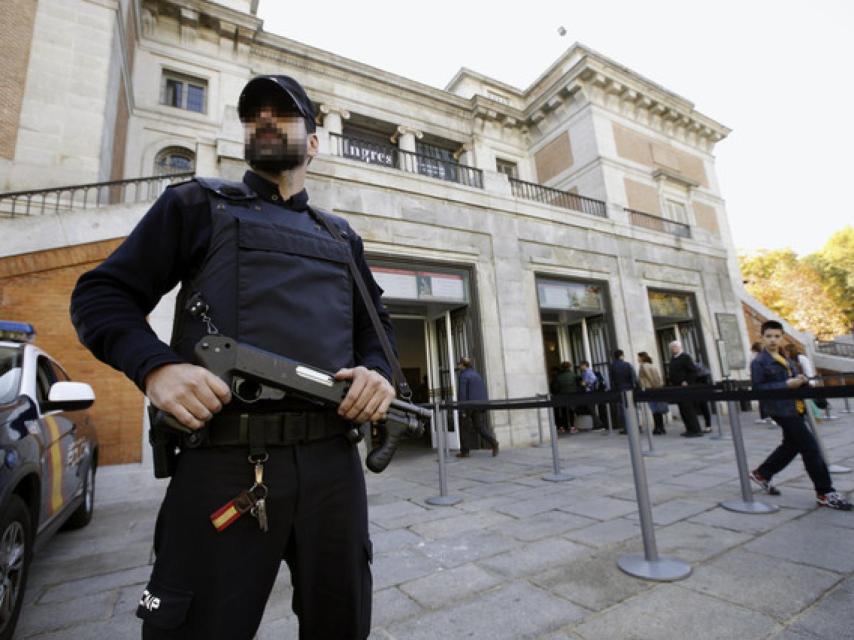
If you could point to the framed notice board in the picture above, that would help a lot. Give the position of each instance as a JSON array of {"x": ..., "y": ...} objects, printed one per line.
[{"x": 731, "y": 335}]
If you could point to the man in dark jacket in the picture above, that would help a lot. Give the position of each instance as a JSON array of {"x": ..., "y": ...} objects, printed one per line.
[
  {"x": 565, "y": 384},
  {"x": 683, "y": 372},
  {"x": 473, "y": 421},
  {"x": 772, "y": 370},
  {"x": 623, "y": 378}
]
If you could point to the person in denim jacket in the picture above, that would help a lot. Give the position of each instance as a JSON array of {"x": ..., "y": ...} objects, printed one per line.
[{"x": 772, "y": 370}]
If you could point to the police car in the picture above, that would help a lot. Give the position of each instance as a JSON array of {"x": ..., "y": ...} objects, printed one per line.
[{"x": 48, "y": 458}]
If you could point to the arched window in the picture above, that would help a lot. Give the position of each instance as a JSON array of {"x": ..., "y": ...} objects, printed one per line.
[{"x": 174, "y": 160}]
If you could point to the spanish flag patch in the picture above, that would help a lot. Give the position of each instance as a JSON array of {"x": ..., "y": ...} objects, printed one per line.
[{"x": 226, "y": 515}]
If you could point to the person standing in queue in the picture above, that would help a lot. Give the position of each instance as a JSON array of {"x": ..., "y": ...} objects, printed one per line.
[
  {"x": 273, "y": 275},
  {"x": 623, "y": 378},
  {"x": 473, "y": 421},
  {"x": 683, "y": 372},
  {"x": 771, "y": 369},
  {"x": 649, "y": 377}
]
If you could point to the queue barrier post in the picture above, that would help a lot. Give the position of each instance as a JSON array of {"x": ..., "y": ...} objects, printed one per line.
[
  {"x": 847, "y": 408},
  {"x": 644, "y": 408},
  {"x": 557, "y": 475},
  {"x": 541, "y": 443},
  {"x": 720, "y": 435},
  {"x": 832, "y": 468},
  {"x": 649, "y": 565},
  {"x": 747, "y": 504},
  {"x": 440, "y": 420}
]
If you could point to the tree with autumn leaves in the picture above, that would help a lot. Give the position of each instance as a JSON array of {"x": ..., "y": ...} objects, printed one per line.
[{"x": 814, "y": 293}]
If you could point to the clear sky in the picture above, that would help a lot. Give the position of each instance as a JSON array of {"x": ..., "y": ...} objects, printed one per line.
[{"x": 779, "y": 73}]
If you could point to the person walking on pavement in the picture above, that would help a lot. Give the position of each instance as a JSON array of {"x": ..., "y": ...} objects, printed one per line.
[
  {"x": 772, "y": 370},
  {"x": 472, "y": 388},
  {"x": 649, "y": 377},
  {"x": 589, "y": 384},
  {"x": 566, "y": 383},
  {"x": 682, "y": 372},
  {"x": 623, "y": 378},
  {"x": 265, "y": 267}
]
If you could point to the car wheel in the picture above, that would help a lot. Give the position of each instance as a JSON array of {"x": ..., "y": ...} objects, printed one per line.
[
  {"x": 83, "y": 514},
  {"x": 15, "y": 554}
]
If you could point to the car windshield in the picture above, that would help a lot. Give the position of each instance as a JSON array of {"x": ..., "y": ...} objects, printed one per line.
[{"x": 10, "y": 373}]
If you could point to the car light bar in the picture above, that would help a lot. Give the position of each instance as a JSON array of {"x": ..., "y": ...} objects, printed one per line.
[{"x": 17, "y": 331}]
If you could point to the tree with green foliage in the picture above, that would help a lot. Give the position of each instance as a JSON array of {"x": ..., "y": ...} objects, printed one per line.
[
  {"x": 795, "y": 290},
  {"x": 835, "y": 263}
]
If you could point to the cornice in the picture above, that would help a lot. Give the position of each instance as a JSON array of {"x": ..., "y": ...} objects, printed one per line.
[{"x": 216, "y": 14}]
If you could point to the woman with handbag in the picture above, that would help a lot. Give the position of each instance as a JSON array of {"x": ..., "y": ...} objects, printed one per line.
[{"x": 650, "y": 378}]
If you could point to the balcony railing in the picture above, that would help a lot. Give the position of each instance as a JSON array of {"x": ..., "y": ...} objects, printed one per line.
[
  {"x": 395, "y": 158},
  {"x": 830, "y": 348},
  {"x": 657, "y": 223},
  {"x": 86, "y": 196},
  {"x": 557, "y": 198}
]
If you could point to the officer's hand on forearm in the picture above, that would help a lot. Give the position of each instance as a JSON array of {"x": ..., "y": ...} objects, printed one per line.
[
  {"x": 192, "y": 394},
  {"x": 368, "y": 398}
]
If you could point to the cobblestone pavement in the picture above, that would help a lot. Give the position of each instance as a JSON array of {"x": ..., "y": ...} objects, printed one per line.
[{"x": 520, "y": 557}]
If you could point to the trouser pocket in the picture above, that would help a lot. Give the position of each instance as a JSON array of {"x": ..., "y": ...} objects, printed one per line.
[{"x": 164, "y": 607}]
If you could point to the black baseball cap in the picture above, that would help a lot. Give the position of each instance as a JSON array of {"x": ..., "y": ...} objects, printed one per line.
[{"x": 283, "y": 87}]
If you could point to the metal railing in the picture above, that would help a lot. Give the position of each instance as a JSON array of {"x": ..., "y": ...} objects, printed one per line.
[
  {"x": 395, "y": 158},
  {"x": 85, "y": 196},
  {"x": 557, "y": 198},
  {"x": 831, "y": 348},
  {"x": 657, "y": 223}
]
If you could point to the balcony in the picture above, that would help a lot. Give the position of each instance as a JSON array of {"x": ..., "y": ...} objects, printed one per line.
[
  {"x": 395, "y": 158},
  {"x": 557, "y": 198},
  {"x": 86, "y": 196},
  {"x": 657, "y": 223},
  {"x": 831, "y": 348}
]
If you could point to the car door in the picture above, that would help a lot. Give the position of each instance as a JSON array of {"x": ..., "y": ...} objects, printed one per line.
[
  {"x": 57, "y": 438},
  {"x": 75, "y": 445}
]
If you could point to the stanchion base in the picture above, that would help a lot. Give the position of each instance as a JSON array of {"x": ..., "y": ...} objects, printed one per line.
[
  {"x": 740, "y": 506},
  {"x": 557, "y": 477},
  {"x": 661, "y": 570},
  {"x": 443, "y": 501},
  {"x": 837, "y": 468}
]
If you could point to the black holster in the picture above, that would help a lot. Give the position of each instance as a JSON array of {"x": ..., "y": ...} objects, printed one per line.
[{"x": 165, "y": 442}]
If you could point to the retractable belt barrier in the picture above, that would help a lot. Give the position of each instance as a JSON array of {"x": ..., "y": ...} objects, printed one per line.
[{"x": 650, "y": 566}]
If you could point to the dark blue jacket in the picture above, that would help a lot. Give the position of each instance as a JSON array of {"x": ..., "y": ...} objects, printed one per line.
[
  {"x": 471, "y": 386},
  {"x": 766, "y": 373},
  {"x": 623, "y": 376}
]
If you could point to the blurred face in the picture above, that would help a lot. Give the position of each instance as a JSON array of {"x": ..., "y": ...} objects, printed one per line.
[
  {"x": 675, "y": 349},
  {"x": 771, "y": 339},
  {"x": 276, "y": 139}
]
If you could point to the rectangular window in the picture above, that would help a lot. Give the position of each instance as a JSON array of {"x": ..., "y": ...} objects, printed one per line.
[
  {"x": 676, "y": 211},
  {"x": 510, "y": 169},
  {"x": 183, "y": 92}
]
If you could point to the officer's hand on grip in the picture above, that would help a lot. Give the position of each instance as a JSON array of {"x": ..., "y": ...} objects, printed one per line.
[
  {"x": 368, "y": 398},
  {"x": 192, "y": 394}
]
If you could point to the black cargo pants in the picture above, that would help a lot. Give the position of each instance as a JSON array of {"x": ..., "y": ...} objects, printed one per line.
[{"x": 215, "y": 585}]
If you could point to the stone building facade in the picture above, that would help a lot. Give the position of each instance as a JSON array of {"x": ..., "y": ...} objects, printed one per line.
[{"x": 521, "y": 227}]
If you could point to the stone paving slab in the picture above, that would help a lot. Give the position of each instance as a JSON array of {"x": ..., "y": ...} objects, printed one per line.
[
  {"x": 826, "y": 547},
  {"x": 778, "y": 588},
  {"x": 449, "y": 586},
  {"x": 520, "y": 557},
  {"x": 669, "y": 612},
  {"x": 513, "y": 612},
  {"x": 832, "y": 617}
]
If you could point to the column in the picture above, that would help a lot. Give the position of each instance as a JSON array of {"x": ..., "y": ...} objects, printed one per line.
[
  {"x": 333, "y": 125},
  {"x": 404, "y": 137}
]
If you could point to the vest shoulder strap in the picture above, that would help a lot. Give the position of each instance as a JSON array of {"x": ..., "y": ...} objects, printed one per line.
[{"x": 228, "y": 189}]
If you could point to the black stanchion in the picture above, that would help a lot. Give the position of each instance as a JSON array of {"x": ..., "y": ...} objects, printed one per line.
[
  {"x": 643, "y": 408},
  {"x": 747, "y": 504},
  {"x": 649, "y": 566},
  {"x": 443, "y": 499},
  {"x": 847, "y": 408},
  {"x": 832, "y": 468},
  {"x": 541, "y": 396},
  {"x": 557, "y": 475}
]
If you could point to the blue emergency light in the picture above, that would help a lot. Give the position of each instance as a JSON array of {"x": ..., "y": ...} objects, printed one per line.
[{"x": 17, "y": 331}]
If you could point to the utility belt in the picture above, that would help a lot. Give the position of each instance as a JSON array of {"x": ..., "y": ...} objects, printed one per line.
[{"x": 281, "y": 429}]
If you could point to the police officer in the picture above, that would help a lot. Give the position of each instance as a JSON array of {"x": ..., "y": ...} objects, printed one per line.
[{"x": 273, "y": 276}]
